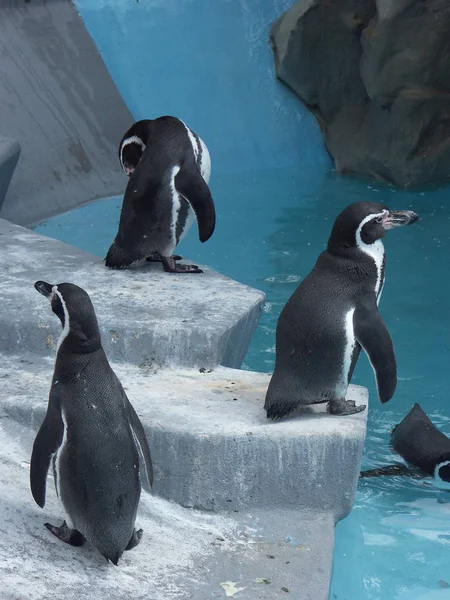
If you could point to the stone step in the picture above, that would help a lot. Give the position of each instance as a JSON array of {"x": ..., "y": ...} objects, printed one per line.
[
  {"x": 146, "y": 316},
  {"x": 212, "y": 446},
  {"x": 184, "y": 554}
]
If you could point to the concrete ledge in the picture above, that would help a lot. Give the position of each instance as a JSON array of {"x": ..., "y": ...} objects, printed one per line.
[
  {"x": 211, "y": 443},
  {"x": 147, "y": 317},
  {"x": 9, "y": 156}
]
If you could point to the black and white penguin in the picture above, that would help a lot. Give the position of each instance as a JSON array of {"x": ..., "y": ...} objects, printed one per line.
[
  {"x": 169, "y": 168},
  {"x": 422, "y": 445},
  {"x": 332, "y": 314},
  {"x": 90, "y": 434}
]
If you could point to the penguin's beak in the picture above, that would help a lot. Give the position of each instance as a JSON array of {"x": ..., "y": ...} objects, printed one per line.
[
  {"x": 397, "y": 218},
  {"x": 44, "y": 288}
]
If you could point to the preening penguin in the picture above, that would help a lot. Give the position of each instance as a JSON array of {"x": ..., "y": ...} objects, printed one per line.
[
  {"x": 332, "y": 314},
  {"x": 91, "y": 435},
  {"x": 169, "y": 168}
]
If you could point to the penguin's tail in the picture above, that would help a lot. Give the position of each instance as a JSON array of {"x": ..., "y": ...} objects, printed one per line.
[
  {"x": 114, "y": 558},
  {"x": 117, "y": 258},
  {"x": 279, "y": 408}
]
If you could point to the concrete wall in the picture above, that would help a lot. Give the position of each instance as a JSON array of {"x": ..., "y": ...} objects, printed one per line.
[
  {"x": 208, "y": 62},
  {"x": 59, "y": 103}
]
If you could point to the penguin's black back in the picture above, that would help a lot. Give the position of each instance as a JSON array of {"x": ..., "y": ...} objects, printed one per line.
[
  {"x": 98, "y": 464},
  {"x": 420, "y": 442}
]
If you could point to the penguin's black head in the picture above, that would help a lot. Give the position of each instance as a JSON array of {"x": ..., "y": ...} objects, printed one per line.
[
  {"x": 131, "y": 152},
  {"x": 74, "y": 309},
  {"x": 365, "y": 223}
]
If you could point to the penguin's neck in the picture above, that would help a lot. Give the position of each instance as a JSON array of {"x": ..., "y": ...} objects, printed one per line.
[
  {"x": 70, "y": 364},
  {"x": 75, "y": 342},
  {"x": 376, "y": 252}
]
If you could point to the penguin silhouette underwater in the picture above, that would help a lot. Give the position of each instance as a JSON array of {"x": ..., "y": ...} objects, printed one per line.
[
  {"x": 169, "y": 168},
  {"x": 332, "y": 314},
  {"x": 90, "y": 435},
  {"x": 422, "y": 445}
]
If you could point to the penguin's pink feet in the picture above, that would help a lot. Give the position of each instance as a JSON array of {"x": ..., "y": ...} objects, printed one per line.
[
  {"x": 135, "y": 539},
  {"x": 345, "y": 407},
  {"x": 67, "y": 535},
  {"x": 170, "y": 266},
  {"x": 156, "y": 257}
]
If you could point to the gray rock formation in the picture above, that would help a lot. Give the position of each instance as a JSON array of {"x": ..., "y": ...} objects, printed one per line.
[
  {"x": 60, "y": 106},
  {"x": 376, "y": 74}
]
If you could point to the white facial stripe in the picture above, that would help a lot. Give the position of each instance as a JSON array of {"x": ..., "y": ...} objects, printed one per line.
[
  {"x": 134, "y": 139},
  {"x": 66, "y": 328},
  {"x": 442, "y": 484},
  {"x": 192, "y": 139},
  {"x": 374, "y": 250}
]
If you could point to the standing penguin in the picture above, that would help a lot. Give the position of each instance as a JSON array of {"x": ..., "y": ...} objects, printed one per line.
[
  {"x": 332, "y": 314},
  {"x": 169, "y": 168},
  {"x": 90, "y": 434}
]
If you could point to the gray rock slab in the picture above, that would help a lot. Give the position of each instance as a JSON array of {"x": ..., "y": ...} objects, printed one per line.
[
  {"x": 184, "y": 553},
  {"x": 146, "y": 316},
  {"x": 212, "y": 446},
  {"x": 9, "y": 155},
  {"x": 376, "y": 82},
  {"x": 59, "y": 102}
]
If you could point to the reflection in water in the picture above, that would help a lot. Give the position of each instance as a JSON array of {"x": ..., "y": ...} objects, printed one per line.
[{"x": 271, "y": 228}]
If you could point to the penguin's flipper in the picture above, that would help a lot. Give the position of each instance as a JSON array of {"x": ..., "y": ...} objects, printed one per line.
[
  {"x": 139, "y": 434},
  {"x": 141, "y": 440},
  {"x": 372, "y": 334},
  {"x": 191, "y": 185},
  {"x": 399, "y": 470},
  {"x": 47, "y": 442}
]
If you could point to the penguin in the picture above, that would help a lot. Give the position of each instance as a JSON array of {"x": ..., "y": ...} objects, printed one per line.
[
  {"x": 420, "y": 443},
  {"x": 90, "y": 434},
  {"x": 332, "y": 314},
  {"x": 169, "y": 168}
]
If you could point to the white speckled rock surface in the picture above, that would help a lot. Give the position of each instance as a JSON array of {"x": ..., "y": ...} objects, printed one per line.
[
  {"x": 273, "y": 490},
  {"x": 146, "y": 316}
]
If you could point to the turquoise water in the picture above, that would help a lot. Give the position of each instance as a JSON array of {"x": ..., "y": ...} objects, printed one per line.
[{"x": 272, "y": 225}]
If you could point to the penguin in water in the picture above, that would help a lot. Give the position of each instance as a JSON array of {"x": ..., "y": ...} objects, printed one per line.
[
  {"x": 422, "y": 445},
  {"x": 169, "y": 168},
  {"x": 332, "y": 314},
  {"x": 90, "y": 434}
]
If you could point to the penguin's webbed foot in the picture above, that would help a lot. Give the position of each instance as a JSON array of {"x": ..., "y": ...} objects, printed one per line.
[
  {"x": 170, "y": 266},
  {"x": 67, "y": 535},
  {"x": 156, "y": 257},
  {"x": 135, "y": 539},
  {"x": 345, "y": 407}
]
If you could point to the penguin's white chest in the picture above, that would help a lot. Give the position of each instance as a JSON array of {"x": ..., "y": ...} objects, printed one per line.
[
  {"x": 349, "y": 346},
  {"x": 376, "y": 253}
]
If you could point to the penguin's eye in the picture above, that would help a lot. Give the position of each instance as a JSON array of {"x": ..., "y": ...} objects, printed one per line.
[{"x": 379, "y": 219}]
